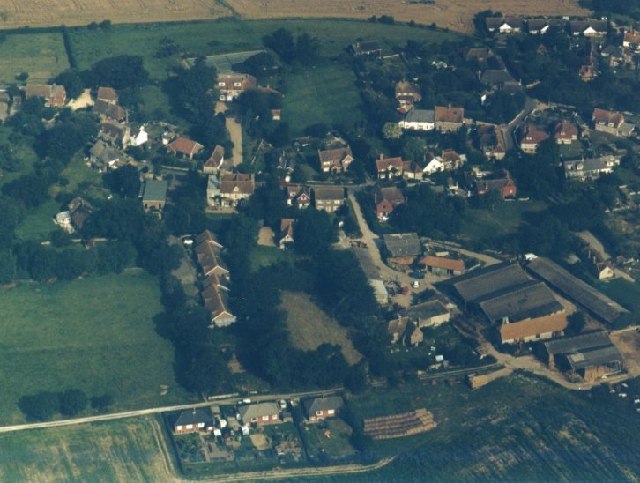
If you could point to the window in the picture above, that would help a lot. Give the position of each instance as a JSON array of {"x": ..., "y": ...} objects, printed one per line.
[
  {"x": 331, "y": 412},
  {"x": 201, "y": 425},
  {"x": 178, "y": 428},
  {"x": 265, "y": 418},
  {"x": 318, "y": 413},
  {"x": 237, "y": 84},
  {"x": 221, "y": 84},
  {"x": 189, "y": 426}
]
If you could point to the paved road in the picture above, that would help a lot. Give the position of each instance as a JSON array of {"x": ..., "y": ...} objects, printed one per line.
[{"x": 507, "y": 129}]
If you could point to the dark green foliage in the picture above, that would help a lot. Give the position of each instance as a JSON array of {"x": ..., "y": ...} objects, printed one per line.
[
  {"x": 303, "y": 49},
  {"x": 59, "y": 238},
  {"x": 72, "y": 81},
  {"x": 577, "y": 322},
  {"x": 549, "y": 237},
  {"x": 40, "y": 406},
  {"x": 32, "y": 190},
  {"x": 101, "y": 403},
  {"x": 72, "y": 402},
  {"x": 72, "y": 132},
  {"x": 259, "y": 65},
  {"x": 120, "y": 72},
  {"x": 314, "y": 232},
  {"x": 8, "y": 266},
  {"x": 124, "y": 181}
]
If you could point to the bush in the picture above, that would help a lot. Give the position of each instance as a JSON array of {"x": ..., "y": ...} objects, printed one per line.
[{"x": 72, "y": 402}]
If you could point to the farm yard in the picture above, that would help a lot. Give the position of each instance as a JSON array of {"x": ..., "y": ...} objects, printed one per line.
[
  {"x": 40, "y": 55},
  {"x": 87, "y": 334},
  {"x": 130, "y": 450},
  {"x": 310, "y": 327}
]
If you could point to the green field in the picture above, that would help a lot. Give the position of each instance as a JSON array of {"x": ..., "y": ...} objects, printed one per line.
[
  {"x": 227, "y": 35},
  {"x": 41, "y": 55},
  {"x": 95, "y": 334},
  {"x": 128, "y": 450},
  {"x": 38, "y": 223}
]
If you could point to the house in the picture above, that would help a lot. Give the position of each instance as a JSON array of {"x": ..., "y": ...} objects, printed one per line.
[
  {"x": 213, "y": 190},
  {"x": 428, "y": 314},
  {"x": 507, "y": 25},
  {"x": 436, "y": 165},
  {"x": 402, "y": 248},
  {"x": 193, "y": 421},
  {"x": 366, "y": 48},
  {"x": 419, "y": 120},
  {"x": 386, "y": 200},
  {"x": 492, "y": 142},
  {"x": 110, "y": 112},
  {"x": 118, "y": 135},
  {"x": 153, "y": 193},
  {"x": 103, "y": 156},
  {"x": 335, "y": 160},
  {"x": 329, "y": 198},
  {"x": 209, "y": 238},
  {"x": 538, "y": 26},
  {"x": 449, "y": 118},
  {"x": 235, "y": 187},
  {"x": 107, "y": 94},
  {"x": 209, "y": 260},
  {"x": 442, "y": 265},
  {"x": 232, "y": 84},
  {"x": 141, "y": 138},
  {"x": 411, "y": 170},
  {"x": 452, "y": 160},
  {"x": 610, "y": 122},
  {"x": 80, "y": 210},
  {"x": 215, "y": 302},
  {"x": 214, "y": 162},
  {"x": 604, "y": 270},
  {"x": 407, "y": 94},
  {"x": 496, "y": 78},
  {"x": 259, "y": 414},
  {"x": 275, "y": 115},
  {"x": 478, "y": 54},
  {"x": 591, "y": 168},
  {"x": 389, "y": 167},
  {"x": 405, "y": 331},
  {"x": 298, "y": 195},
  {"x": 184, "y": 147},
  {"x": 565, "y": 132},
  {"x": 589, "y": 28},
  {"x": 286, "y": 233},
  {"x": 320, "y": 408},
  {"x": 590, "y": 356},
  {"x": 53, "y": 95},
  {"x": 631, "y": 40},
  {"x": 530, "y": 137},
  {"x": 504, "y": 185}
]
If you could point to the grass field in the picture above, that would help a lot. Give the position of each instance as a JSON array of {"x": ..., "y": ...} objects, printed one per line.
[
  {"x": 129, "y": 450},
  {"x": 224, "y": 36},
  {"x": 326, "y": 94},
  {"x": 38, "y": 223},
  {"x": 310, "y": 327},
  {"x": 262, "y": 256},
  {"x": 41, "y": 55},
  {"x": 95, "y": 334}
]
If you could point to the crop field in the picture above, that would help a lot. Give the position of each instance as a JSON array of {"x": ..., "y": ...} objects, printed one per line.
[
  {"x": 454, "y": 14},
  {"x": 310, "y": 327},
  {"x": 129, "y": 450},
  {"x": 41, "y": 55},
  {"x": 95, "y": 334}
]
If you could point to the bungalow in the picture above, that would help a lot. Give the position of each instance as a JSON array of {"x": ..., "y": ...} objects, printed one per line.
[
  {"x": 193, "y": 421},
  {"x": 335, "y": 160},
  {"x": 405, "y": 331},
  {"x": 184, "y": 147},
  {"x": 389, "y": 167},
  {"x": 259, "y": 414},
  {"x": 448, "y": 118},
  {"x": 108, "y": 95},
  {"x": 153, "y": 193},
  {"x": 610, "y": 122},
  {"x": 214, "y": 162},
  {"x": 386, "y": 200},
  {"x": 530, "y": 137},
  {"x": 428, "y": 314},
  {"x": 504, "y": 185},
  {"x": 110, "y": 112},
  {"x": 235, "y": 187},
  {"x": 232, "y": 84},
  {"x": 366, "y": 48},
  {"x": 286, "y": 233},
  {"x": 419, "y": 120},
  {"x": 565, "y": 132},
  {"x": 320, "y": 408},
  {"x": 329, "y": 198},
  {"x": 53, "y": 95},
  {"x": 590, "y": 169},
  {"x": 407, "y": 94},
  {"x": 442, "y": 265},
  {"x": 492, "y": 141},
  {"x": 299, "y": 196}
]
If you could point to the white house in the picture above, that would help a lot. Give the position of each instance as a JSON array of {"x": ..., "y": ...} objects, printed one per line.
[
  {"x": 141, "y": 138},
  {"x": 419, "y": 120},
  {"x": 435, "y": 165}
]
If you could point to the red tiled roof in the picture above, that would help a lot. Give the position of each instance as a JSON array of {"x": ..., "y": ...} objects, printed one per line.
[
  {"x": 442, "y": 262},
  {"x": 602, "y": 116},
  {"x": 108, "y": 94},
  {"x": 449, "y": 114},
  {"x": 184, "y": 145},
  {"x": 565, "y": 130}
]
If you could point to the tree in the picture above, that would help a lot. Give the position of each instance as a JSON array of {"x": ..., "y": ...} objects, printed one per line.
[
  {"x": 391, "y": 130},
  {"x": 314, "y": 232},
  {"x": 124, "y": 181},
  {"x": 72, "y": 402},
  {"x": 282, "y": 43},
  {"x": 8, "y": 266},
  {"x": 120, "y": 72},
  {"x": 72, "y": 81},
  {"x": 576, "y": 325},
  {"x": 101, "y": 403},
  {"x": 40, "y": 406}
]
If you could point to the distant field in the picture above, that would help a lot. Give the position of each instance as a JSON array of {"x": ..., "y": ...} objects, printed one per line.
[
  {"x": 130, "y": 450},
  {"x": 225, "y": 36},
  {"x": 41, "y": 55},
  {"x": 310, "y": 327},
  {"x": 95, "y": 334}
]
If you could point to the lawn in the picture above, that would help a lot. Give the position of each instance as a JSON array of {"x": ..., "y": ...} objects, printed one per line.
[
  {"x": 129, "y": 450},
  {"x": 309, "y": 326},
  {"x": 38, "y": 223},
  {"x": 230, "y": 35},
  {"x": 324, "y": 94},
  {"x": 95, "y": 334},
  {"x": 41, "y": 55},
  {"x": 330, "y": 438},
  {"x": 263, "y": 256}
]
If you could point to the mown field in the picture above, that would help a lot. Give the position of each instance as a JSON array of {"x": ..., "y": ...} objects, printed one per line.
[
  {"x": 41, "y": 55},
  {"x": 131, "y": 450},
  {"x": 95, "y": 334},
  {"x": 517, "y": 428}
]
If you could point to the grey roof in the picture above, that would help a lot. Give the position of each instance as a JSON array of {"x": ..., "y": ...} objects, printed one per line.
[
  {"x": 586, "y": 165},
  {"x": 495, "y": 76},
  {"x": 402, "y": 244},
  {"x": 527, "y": 302},
  {"x": 194, "y": 416},
  {"x": 102, "y": 153},
  {"x": 588, "y": 340},
  {"x": 325, "y": 193},
  {"x": 323, "y": 404},
  {"x": 481, "y": 284},
  {"x": 427, "y": 310},
  {"x": 155, "y": 190},
  {"x": 595, "y": 357},
  {"x": 574, "y": 288},
  {"x": 421, "y": 115},
  {"x": 257, "y": 411}
]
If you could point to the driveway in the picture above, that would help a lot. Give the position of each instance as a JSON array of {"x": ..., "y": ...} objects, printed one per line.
[{"x": 235, "y": 133}]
